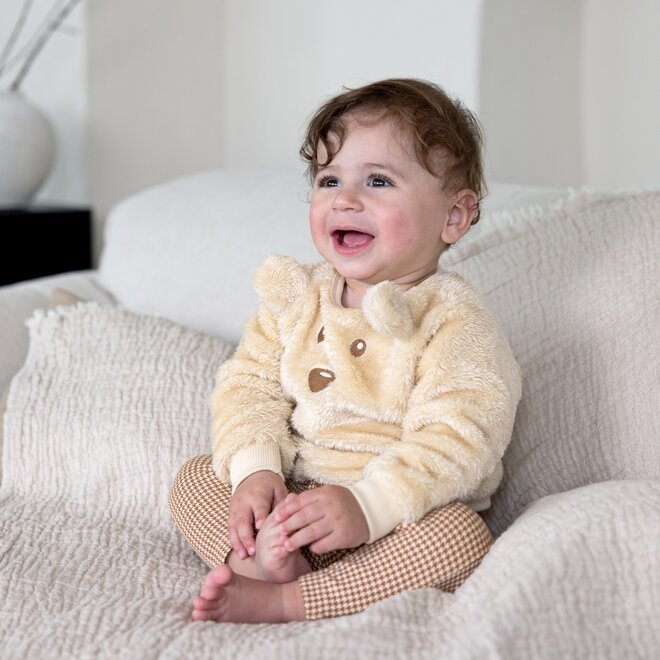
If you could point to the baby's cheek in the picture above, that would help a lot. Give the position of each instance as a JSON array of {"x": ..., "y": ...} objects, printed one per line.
[
  {"x": 317, "y": 226},
  {"x": 397, "y": 229}
]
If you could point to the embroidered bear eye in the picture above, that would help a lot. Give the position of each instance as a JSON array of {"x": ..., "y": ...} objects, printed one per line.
[
  {"x": 321, "y": 336},
  {"x": 358, "y": 347}
]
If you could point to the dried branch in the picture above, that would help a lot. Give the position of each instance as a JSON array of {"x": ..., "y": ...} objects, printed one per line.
[
  {"x": 15, "y": 34},
  {"x": 41, "y": 42},
  {"x": 19, "y": 58}
]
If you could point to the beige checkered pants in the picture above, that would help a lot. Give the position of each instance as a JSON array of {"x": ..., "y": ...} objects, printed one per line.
[{"x": 441, "y": 550}]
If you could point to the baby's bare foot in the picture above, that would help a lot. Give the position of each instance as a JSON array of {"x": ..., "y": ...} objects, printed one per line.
[
  {"x": 273, "y": 562},
  {"x": 234, "y": 598}
]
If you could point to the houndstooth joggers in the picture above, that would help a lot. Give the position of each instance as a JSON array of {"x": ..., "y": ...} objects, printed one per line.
[{"x": 441, "y": 550}]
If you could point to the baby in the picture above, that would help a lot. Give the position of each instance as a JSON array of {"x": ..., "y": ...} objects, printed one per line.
[{"x": 359, "y": 427}]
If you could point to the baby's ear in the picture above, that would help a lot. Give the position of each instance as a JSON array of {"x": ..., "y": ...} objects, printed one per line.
[
  {"x": 279, "y": 281},
  {"x": 465, "y": 206},
  {"x": 387, "y": 311}
]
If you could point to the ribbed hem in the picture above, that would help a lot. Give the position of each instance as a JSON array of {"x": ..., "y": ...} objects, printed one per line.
[
  {"x": 253, "y": 459},
  {"x": 381, "y": 509}
]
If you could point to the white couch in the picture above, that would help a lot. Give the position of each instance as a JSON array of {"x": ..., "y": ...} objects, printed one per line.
[{"x": 112, "y": 398}]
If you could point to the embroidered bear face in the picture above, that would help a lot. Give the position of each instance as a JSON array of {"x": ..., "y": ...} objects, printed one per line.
[{"x": 320, "y": 378}]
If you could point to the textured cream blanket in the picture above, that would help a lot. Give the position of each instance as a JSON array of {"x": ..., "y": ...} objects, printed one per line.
[{"x": 110, "y": 403}]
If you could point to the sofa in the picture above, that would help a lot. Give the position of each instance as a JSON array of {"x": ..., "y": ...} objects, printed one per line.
[{"x": 107, "y": 374}]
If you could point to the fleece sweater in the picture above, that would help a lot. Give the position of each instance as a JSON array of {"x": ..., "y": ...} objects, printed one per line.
[{"x": 409, "y": 401}]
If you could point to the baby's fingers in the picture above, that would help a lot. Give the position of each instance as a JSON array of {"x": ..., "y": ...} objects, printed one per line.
[
  {"x": 241, "y": 536},
  {"x": 301, "y": 518},
  {"x": 291, "y": 504},
  {"x": 236, "y": 544},
  {"x": 261, "y": 512},
  {"x": 307, "y": 535}
]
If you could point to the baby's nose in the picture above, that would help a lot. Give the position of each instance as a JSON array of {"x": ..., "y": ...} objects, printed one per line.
[
  {"x": 319, "y": 379},
  {"x": 347, "y": 199}
]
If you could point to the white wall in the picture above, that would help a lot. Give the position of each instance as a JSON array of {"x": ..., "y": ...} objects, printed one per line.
[
  {"x": 57, "y": 84},
  {"x": 621, "y": 114},
  {"x": 282, "y": 59},
  {"x": 570, "y": 93},
  {"x": 155, "y": 94},
  {"x": 530, "y": 91}
]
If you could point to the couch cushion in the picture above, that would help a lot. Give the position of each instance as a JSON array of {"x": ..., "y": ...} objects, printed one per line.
[{"x": 576, "y": 290}]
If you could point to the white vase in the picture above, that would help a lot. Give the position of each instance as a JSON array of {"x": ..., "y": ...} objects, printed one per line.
[{"x": 27, "y": 150}]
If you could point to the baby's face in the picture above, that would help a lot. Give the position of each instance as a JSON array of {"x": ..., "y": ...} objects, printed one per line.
[{"x": 376, "y": 214}]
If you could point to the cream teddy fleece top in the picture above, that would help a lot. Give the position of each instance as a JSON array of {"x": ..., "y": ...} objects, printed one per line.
[{"x": 409, "y": 402}]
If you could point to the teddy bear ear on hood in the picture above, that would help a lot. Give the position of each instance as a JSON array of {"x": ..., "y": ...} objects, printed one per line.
[
  {"x": 279, "y": 281},
  {"x": 387, "y": 311}
]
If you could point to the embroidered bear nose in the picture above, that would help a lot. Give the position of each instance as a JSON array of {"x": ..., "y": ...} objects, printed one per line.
[{"x": 319, "y": 379}]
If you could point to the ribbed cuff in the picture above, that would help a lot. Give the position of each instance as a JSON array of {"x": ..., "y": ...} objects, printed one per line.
[
  {"x": 253, "y": 459},
  {"x": 381, "y": 509}
]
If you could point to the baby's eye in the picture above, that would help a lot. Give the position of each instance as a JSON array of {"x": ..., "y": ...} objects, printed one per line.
[
  {"x": 327, "y": 181},
  {"x": 379, "y": 181}
]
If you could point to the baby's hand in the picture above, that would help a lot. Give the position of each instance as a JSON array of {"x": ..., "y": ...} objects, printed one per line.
[
  {"x": 325, "y": 518},
  {"x": 253, "y": 500}
]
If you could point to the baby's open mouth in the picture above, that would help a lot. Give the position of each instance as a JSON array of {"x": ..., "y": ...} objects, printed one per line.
[{"x": 351, "y": 239}]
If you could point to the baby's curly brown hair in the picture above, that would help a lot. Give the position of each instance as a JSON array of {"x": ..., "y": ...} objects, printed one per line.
[{"x": 446, "y": 135}]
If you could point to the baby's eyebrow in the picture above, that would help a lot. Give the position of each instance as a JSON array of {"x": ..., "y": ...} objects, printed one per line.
[
  {"x": 383, "y": 166},
  {"x": 366, "y": 166}
]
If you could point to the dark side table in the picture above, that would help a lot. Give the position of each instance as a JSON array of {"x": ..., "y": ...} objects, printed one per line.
[{"x": 40, "y": 241}]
